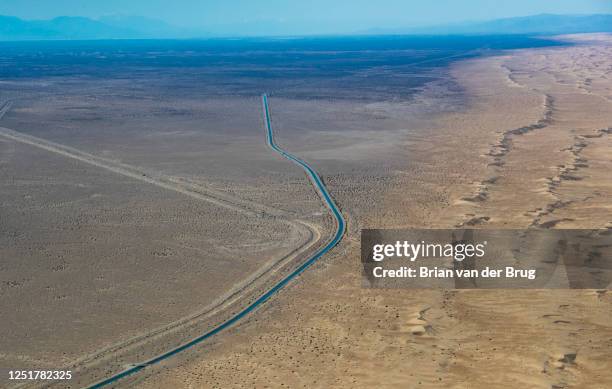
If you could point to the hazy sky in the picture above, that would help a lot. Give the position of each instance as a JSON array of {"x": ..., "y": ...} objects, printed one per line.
[{"x": 242, "y": 16}]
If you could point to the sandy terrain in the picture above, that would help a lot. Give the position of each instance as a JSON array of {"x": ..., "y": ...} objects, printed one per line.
[
  {"x": 531, "y": 147},
  {"x": 117, "y": 243},
  {"x": 76, "y": 236}
]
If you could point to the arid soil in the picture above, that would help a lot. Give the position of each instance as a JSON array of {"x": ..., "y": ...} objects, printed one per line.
[
  {"x": 121, "y": 237},
  {"x": 532, "y": 146}
]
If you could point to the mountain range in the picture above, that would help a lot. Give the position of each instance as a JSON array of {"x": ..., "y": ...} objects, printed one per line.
[
  {"x": 109, "y": 27},
  {"x": 549, "y": 24},
  {"x": 135, "y": 27}
]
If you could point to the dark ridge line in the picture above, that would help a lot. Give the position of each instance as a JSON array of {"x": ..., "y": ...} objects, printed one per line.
[
  {"x": 505, "y": 145},
  {"x": 566, "y": 173}
]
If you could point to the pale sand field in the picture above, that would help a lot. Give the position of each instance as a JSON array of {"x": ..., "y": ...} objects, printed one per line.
[{"x": 532, "y": 147}]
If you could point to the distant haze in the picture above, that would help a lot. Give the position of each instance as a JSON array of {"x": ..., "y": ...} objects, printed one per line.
[{"x": 282, "y": 17}]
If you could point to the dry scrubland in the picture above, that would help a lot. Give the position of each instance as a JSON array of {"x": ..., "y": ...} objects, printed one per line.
[
  {"x": 178, "y": 197},
  {"x": 216, "y": 142},
  {"x": 123, "y": 226},
  {"x": 532, "y": 147}
]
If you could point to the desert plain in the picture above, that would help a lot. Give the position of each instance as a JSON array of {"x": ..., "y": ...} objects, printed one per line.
[
  {"x": 136, "y": 213},
  {"x": 530, "y": 147}
]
